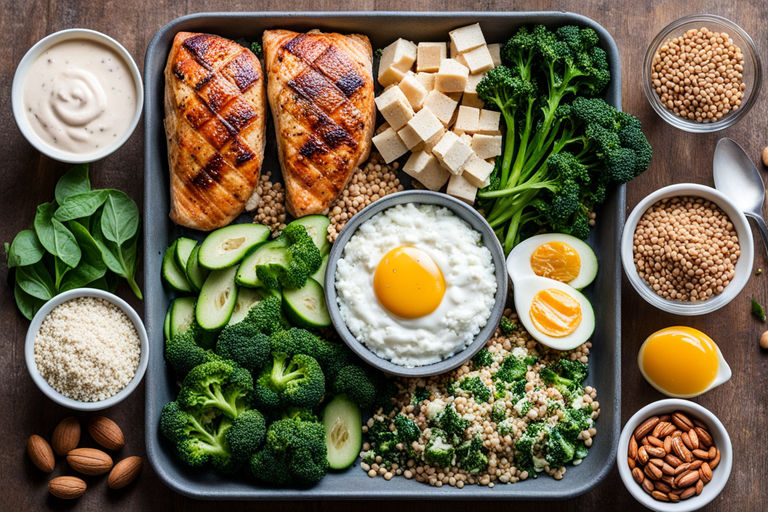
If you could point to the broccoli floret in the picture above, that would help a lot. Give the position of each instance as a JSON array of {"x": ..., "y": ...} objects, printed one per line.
[
  {"x": 269, "y": 276},
  {"x": 511, "y": 369},
  {"x": 384, "y": 442},
  {"x": 419, "y": 395},
  {"x": 299, "y": 413},
  {"x": 183, "y": 353},
  {"x": 451, "y": 422},
  {"x": 270, "y": 467},
  {"x": 505, "y": 427},
  {"x": 331, "y": 356},
  {"x": 498, "y": 412},
  {"x": 566, "y": 376},
  {"x": 518, "y": 389},
  {"x": 470, "y": 456},
  {"x": 559, "y": 451},
  {"x": 266, "y": 317},
  {"x": 197, "y": 438},
  {"x": 475, "y": 387},
  {"x": 246, "y": 434},
  {"x": 218, "y": 385},
  {"x": 482, "y": 358},
  {"x": 407, "y": 430},
  {"x": 580, "y": 450},
  {"x": 354, "y": 382},
  {"x": 507, "y": 326},
  {"x": 243, "y": 344},
  {"x": 294, "y": 453},
  {"x": 524, "y": 446},
  {"x": 575, "y": 421},
  {"x": 573, "y": 370},
  {"x": 294, "y": 380},
  {"x": 439, "y": 452},
  {"x": 530, "y": 360},
  {"x": 303, "y": 260}
]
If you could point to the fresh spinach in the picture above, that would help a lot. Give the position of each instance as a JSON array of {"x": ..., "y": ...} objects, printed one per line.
[
  {"x": 59, "y": 270},
  {"x": 27, "y": 304},
  {"x": 24, "y": 250},
  {"x": 74, "y": 182},
  {"x": 54, "y": 236},
  {"x": 119, "y": 258},
  {"x": 120, "y": 217},
  {"x": 81, "y": 205},
  {"x": 82, "y": 275},
  {"x": 36, "y": 281}
]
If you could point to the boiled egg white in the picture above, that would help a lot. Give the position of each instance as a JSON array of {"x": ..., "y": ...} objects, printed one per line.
[
  {"x": 553, "y": 313},
  {"x": 563, "y": 258}
]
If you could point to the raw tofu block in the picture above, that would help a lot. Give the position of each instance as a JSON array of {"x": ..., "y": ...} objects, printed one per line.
[
  {"x": 430, "y": 55},
  {"x": 425, "y": 124},
  {"x": 472, "y": 81},
  {"x": 489, "y": 122},
  {"x": 486, "y": 146},
  {"x": 390, "y": 76},
  {"x": 430, "y": 144},
  {"x": 495, "y": 50},
  {"x": 389, "y": 145},
  {"x": 465, "y": 138},
  {"x": 426, "y": 169},
  {"x": 399, "y": 55},
  {"x": 478, "y": 60},
  {"x": 413, "y": 90},
  {"x": 460, "y": 188},
  {"x": 451, "y": 77},
  {"x": 440, "y": 105},
  {"x": 471, "y": 100},
  {"x": 452, "y": 152},
  {"x": 444, "y": 145},
  {"x": 467, "y": 120},
  {"x": 452, "y": 51},
  {"x": 395, "y": 107},
  {"x": 477, "y": 171},
  {"x": 409, "y": 137},
  {"x": 467, "y": 38},
  {"x": 427, "y": 80}
]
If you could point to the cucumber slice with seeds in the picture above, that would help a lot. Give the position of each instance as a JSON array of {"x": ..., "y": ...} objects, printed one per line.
[
  {"x": 195, "y": 273},
  {"x": 227, "y": 246},
  {"x": 217, "y": 299},
  {"x": 246, "y": 299},
  {"x": 184, "y": 247},
  {"x": 270, "y": 252},
  {"x": 172, "y": 274},
  {"x": 182, "y": 315},
  {"x": 317, "y": 227},
  {"x": 306, "y": 305},
  {"x": 343, "y": 432},
  {"x": 319, "y": 276}
]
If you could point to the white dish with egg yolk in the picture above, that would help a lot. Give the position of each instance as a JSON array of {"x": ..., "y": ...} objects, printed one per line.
[
  {"x": 415, "y": 284},
  {"x": 561, "y": 257}
]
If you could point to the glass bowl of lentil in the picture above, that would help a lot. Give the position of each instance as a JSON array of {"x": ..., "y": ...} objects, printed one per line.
[
  {"x": 76, "y": 363},
  {"x": 665, "y": 237},
  {"x": 683, "y": 89}
]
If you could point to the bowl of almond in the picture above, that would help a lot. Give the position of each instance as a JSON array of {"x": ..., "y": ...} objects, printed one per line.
[{"x": 674, "y": 455}]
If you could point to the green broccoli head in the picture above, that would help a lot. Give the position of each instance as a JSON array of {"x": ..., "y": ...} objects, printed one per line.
[
  {"x": 574, "y": 422},
  {"x": 298, "y": 413},
  {"x": 270, "y": 276},
  {"x": 439, "y": 451},
  {"x": 475, "y": 387},
  {"x": 303, "y": 260},
  {"x": 331, "y": 356},
  {"x": 511, "y": 369},
  {"x": 197, "y": 438},
  {"x": 270, "y": 467},
  {"x": 266, "y": 317},
  {"x": 482, "y": 358},
  {"x": 296, "y": 381},
  {"x": 294, "y": 451},
  {"x": 218, "y": 385},
  {"x": 471, "y": 457},
  {"x": 503, "y": 89},
  {"x": 506, "y": 426},
  {"x": 559, "y": 451},
  {"x": 355, "y": 383},
  {"x": 507, "y": 326},
  {"x": 246, "y": 434},
  {"x": 407, "y": 430},
  {"x": 183, "y": 353},
  {"x": 245, "y": 345},
  {"x": 498, "y": 412},
  {"x": 451, "y": 422},
  {"x": 574, "y": 370}
]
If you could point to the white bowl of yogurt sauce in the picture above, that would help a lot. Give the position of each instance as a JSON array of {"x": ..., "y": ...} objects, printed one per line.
[{"x": 77, "y": 95}]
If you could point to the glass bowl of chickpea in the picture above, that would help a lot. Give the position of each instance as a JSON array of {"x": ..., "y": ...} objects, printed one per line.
[{"x": 702, "y": 73}]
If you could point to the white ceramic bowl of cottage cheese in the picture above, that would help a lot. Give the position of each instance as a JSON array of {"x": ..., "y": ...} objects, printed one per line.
[{"x": 415, "y": 283}]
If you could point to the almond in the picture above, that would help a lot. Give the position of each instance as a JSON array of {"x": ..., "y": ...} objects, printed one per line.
[
  {"x": 667, "y": 444},
  {"x": 642, "y": 455},
  {"x": 89, "y": 461},
  {"x": 40, "y": 453},
  {"x": 687, "y": 479},
  {"x": 668, "y": 479},
  {"x": 682, "y": 468},
  {"x": 695, "y": 464},
  {"x": 658, "y": 495},
  {"x": 124, "y": 472},
  {"x": 637, "y": 474},
  {"x": 655, "y": 451},
  {"x": 632, "y": 447},
  {"x": 646, "y": 427},
  {"x": 631, "y": 462},
  {"x": 667, "y": 469},
  {"x": 653, "y": 472},
  {"x": 680, "y": 450},
  {"x": 661, "y": 486},
  {"x": 672, "y": 460},
  {"x": 656, "y": 462},
  {"x": 715, "y": 460},
  {"x": 682, "y": 421},
  {"x": 647, "y": 486},
  {"x": 699, "y": 487},
  {"x": 655, "y": 441},
  {"x": 711, "y": 452},
  {"x": 66, "y": 436},
  {"x": 106, "y": 432},
  {"x": 687, "y": 493},
  {"x": 700, "y": 454},
  {"x": 673, "y": 497},
  {"x": 705, "y": 473},
  {"x": 67, "y": 487},
  {"x": 704, "y": 438},
  {"x": 686, "y": 440},
  {"x": 665, "y": 417},
  {"x": 694, "y": 437}
]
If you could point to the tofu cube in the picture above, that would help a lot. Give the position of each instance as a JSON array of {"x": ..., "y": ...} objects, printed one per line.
[
  {"x": 451, "y": 77},
  {"x": 471, "y": 100},
  {"x": 395, "y": 107},
  {"x": 389, "y": 145},
  {"x": 477, "y": 171},
  {"x": 425, "y": 124},
  {"x": 486, "y": 146},
  {"x": 444, "y": 145},
  {"x": 413, "y": 90},
  {"x": 460, "y": 188},
  {"x": 390, "y": 76},
  {"x": 409, "y": 137},
  {"x": 489, "y": 122},
  {"x": 399, "y": 55},
  {"x": 478, "y": 60},
  {"x": 452, "y": 51},
  {"x": 467, "y": 38},
  {"x": 430, "y": 144},
  {"x": 427, "y": 80},
  {"x": 495, "y": 51},
  {"x": 430, "y": 55},
  {"x": 465, "y": 138},
  {"x": 452, "y": 152},
  {"x": 472, "y": 80},
  {"x": 440, "y": 105},
  {"x": 467, "y": 120},
  {"x": 426, "y": 169}
]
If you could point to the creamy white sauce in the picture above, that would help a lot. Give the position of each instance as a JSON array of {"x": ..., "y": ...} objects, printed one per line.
[{"x": 79, "y": 96}]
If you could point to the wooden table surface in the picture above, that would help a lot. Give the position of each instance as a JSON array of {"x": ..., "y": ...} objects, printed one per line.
[{"x": 27, "y": 179}]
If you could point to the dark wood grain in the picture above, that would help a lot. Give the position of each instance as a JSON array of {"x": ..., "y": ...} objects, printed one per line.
[{"x": 28, "y": 178}]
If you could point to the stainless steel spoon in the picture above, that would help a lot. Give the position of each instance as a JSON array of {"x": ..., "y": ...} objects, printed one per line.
[{"x": 737, "y": 177}]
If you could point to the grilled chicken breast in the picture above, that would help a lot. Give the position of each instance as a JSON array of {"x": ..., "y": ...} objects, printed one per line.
[
  {"x": 214, "y": 121},
  {"x": 320, "y": 90}
]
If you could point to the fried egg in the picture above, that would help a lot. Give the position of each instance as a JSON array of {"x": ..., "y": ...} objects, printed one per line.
[
  {"x": 553, "y": 313},
  {"x": 563, "y": 258},
  {"x": 408, "y": 282}
]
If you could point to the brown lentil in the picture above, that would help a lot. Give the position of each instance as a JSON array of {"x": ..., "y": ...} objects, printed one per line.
[
  {"x": 271, "y": 208},
  {"x": 699, "y": 75},
  {"x": 686, "y": 248}
]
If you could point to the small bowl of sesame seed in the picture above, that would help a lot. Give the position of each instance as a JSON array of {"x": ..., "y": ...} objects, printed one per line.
[
  {"x": 86, "y": 349},
  {"x": 702, "y": 73},
  {"x": 687, "y": 249}
]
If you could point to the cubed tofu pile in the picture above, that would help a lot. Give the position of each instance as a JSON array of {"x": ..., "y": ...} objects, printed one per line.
[{"x": 431, "y": 109}]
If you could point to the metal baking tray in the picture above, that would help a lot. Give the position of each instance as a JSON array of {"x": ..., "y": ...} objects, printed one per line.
[{"x": 159, "y": 231}]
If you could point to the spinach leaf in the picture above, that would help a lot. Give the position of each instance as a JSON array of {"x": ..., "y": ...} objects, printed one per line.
[
  {"x": 120, "y": 259},
  {"x": 27, "y": 304},
  {"x": 24, "y": 250},
  {"x": 74, "y": 182},
  {"x": 120, "y": 217},
  {"x": 88, "y": 246},
  {"x": 60, "y": 268},
  {"x": 54, "y": 236},
  {"x": 81, "y": 275},
  {"x": 81, "y": 205},
  {"x": 36, "y": 281}
]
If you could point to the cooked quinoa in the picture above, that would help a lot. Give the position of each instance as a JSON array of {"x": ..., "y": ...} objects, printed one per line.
[
  {"x": 541, "y": 403},
  {"x": 87, "y": 349}
]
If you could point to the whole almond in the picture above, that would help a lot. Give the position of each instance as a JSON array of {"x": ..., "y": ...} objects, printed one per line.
[
  {"x": 661, "y": 486},
  {"x": 655, "y": 441},
  {"x": 672, "y": 460},
  {"x": 687, "y": 493},
  {"x": 705, "y": 473},
  {"x": 656, "y": 462},
  {"x": 667, "y": 444},
  {"x": 673, "y": 497},
  {"x": 704, "y": 438},
  {"x": 106, "y": 432},
  {"x": 668, "y": 479},
  {"x": 700, "y": 454},
  {"x": 655, "y": 451},
  {"x": 699, "y": 487},
  {"x": 680, "y": 450},
  {"x": 687, "y": 479},
  {"x": 694, "y": 437},
  {"x": 642, "y": 455},
  {"x": 66, "y": 436},
  {"x": 695, "y": 464},
  {"x": 686, "y": 440},
  {"x": 667, "y": 469},
  {"x": 631, "y": 462},
  {"x": 89, "y": 461},
  {"x": 653, "y": 472},
  {"x": 40, "y": 453},
  {"x": 637, "y": 474},
  {"x": 647, "y": 486},
  {"x": 711, "y": 452},
  {"x": 646, "y": 427},
  {"x": 644, "y": 441},
  {"x": 124, "y": 472},
  {"x": 667, "y": 430},
  {"x": 682, "y": 421},
  {"x": 67, "y": 487},
  {"x": 658, "y": 495},
  {"x": 715, "y": 460},
  {"x": 632, "y": 447},
  {"x": 682, "y": 468}
]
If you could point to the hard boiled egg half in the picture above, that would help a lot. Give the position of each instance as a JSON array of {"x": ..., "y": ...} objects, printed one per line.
[{"x": 563, "y": 258}]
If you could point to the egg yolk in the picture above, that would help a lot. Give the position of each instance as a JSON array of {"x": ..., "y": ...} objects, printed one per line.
[
  {"x": 408, "y": 282},
  {"x": 556, "y": 260},
  {"x": 680, "y": 360},
  {"x": 555, "y": 313}
]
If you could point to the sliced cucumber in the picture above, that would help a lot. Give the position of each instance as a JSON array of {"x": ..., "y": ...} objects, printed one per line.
[
  {"x": 217, "y": 299},
  {"x": 246, "y": 299},
  {"x": 270, "y": 252},
  {"x": 195, "y": 273},
  {"x": 319, "y": 276},
  {"x": 182, "y": 315},
  {"x": 227, "y": 246},
  {"x": 343, "y": 432},
  {"x": 167, "y": 323},
  {"x": 306, "y": 305},
  {"x": 172, "y": 274},
  {"x": 184, "y": 247},
  {"x": 317, "y": 227}
]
